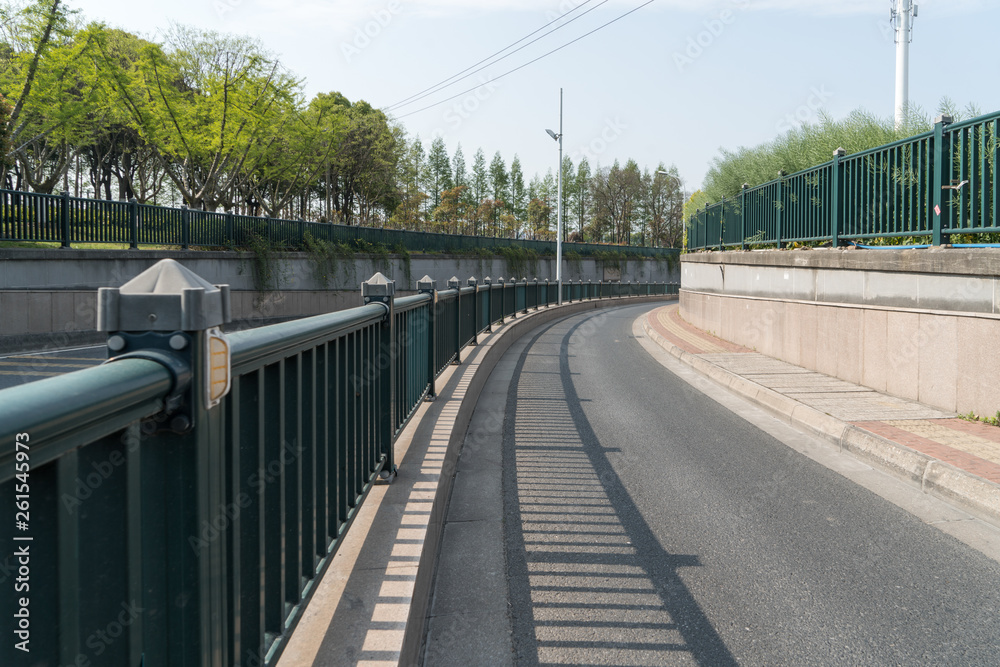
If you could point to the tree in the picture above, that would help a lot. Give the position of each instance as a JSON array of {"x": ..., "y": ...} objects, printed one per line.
[
  {"x": 409, "y": 214},
  {"x": 665, "y": 207},
  {"x": 538, "y": 219},
  {"x": 451, "y": 211},
  {"x": 616, "y": 195},
  {"x": 568, "y": 191},
  {"x": 439, "y": 171},
  {"x": 480, "y": 185},
  {"x": 499, "y": 181},
  {"x": 581, "y": 195},
  {"x": 47, "y": 72},
  {"x": 518, "y": 201},
  {"x": 458, "y": 167},
  {"x": 205, "y": 101}
]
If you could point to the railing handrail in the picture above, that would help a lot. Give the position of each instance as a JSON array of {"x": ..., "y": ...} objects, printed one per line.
[
  {"x": 68, "y": 411},
  {"x": 252, "y": 347},
  {"x": 405, "y": 303}
]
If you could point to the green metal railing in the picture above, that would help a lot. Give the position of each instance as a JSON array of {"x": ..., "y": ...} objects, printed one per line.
[
  {"x": 32, "y": 216},
  {"x": 934, "y": 184},
  {"x": 152, "y": 543}
]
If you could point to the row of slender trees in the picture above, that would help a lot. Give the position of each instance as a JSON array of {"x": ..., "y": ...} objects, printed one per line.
[
  {"x": 616, "y": 204},
  {"x": 215, "y": 122}
]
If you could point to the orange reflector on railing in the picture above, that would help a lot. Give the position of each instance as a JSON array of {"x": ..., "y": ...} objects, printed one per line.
[{"x": 218, "y": 375}]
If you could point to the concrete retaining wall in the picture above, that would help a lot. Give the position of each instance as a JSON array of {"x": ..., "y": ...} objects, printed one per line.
[
  {"x": 48, "y": 298},
  {"x": 921, "y": 324}
]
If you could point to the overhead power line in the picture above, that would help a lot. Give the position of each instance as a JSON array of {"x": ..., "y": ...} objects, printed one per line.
[
  {"x": 530, "y": 62},
  {"x": 458, "y": 77}
]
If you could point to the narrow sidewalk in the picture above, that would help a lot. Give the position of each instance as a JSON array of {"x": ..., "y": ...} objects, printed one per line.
[{"x": 947, "y": 456}]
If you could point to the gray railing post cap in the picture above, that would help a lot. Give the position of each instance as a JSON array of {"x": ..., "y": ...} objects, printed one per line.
[
  {"x": 453, "y": 281},
  {"x": 487, "y": 280},
  {"x": 378, "y": 286},
  {"x": 472, "y": 281},
  {"x": 167, "y": 296},
  {"x": 500, "y": 280},
  {"x": 944, "y": 119},
  {"x": 840, "y": 152},
  {"x": 426, "y": 284}
]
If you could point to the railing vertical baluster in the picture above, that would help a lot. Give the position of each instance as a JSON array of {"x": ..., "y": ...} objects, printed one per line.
[
  {"x": 780, "y": 203},
  {"x": 454, "y": 284},
  {"x": 185, "y": 227},
  {"x": 488, "y": 286},
  {"x": 942, "y": 177},
  {"x": 427, "y": 285},
  {"x": 133, "y": 223},
  {"x": 382, "y": 366},
  {"x": 837, "y": 190},
  {"x": 503, "y": 299},
  {"x": 64, "y": 218},
  {"x": 476, "y": 310}
]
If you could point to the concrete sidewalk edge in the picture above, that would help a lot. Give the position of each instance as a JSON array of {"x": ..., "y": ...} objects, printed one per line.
[{"x": 976, "y": 495}]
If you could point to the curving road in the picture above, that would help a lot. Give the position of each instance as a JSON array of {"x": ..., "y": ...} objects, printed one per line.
[{"x": 646, "y": 524}]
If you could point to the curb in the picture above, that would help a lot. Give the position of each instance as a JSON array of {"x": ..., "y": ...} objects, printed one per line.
[{"x": 976, "y": 495}]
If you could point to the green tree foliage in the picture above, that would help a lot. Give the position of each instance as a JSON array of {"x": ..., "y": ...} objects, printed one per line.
[
  {"x": 439, "y": 176},
  {"x": 517, "y": 200},
  {"x": 580, "y": 201},
  {"x": 48, "y": 73},
  {"x": 499, "y": 182}
]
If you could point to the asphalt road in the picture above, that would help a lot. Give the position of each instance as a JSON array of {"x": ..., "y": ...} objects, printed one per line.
[
  {"x": 19, "y": 368},
  {"x": 645, "y": 524}
]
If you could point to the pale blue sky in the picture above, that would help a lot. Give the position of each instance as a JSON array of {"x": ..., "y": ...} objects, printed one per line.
[{"x": 637, "y": 88}]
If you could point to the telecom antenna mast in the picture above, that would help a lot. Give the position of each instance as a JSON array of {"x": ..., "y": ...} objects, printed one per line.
[{"x": 901, "y": 16}]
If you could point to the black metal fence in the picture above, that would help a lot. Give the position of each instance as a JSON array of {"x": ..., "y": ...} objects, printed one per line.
[{"x": 32, "y": 216}]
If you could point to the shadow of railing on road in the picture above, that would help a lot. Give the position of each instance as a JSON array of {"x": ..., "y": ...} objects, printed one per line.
[{"x": 589, "y": 581}]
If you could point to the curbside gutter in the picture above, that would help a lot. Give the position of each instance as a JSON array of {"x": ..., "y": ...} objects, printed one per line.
[{"x": 976, "y": 495}]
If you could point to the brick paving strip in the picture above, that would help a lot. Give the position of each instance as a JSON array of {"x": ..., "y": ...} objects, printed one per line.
[{"x": 972, "y": 449}]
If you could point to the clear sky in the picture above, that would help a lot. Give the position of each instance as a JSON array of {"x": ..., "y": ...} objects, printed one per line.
[{"x": 672, "y": 82}]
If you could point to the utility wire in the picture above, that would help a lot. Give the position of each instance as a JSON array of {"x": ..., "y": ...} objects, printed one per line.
[
  {"x": 444, "y": 84},
  {"x": 520, "y": 67}
]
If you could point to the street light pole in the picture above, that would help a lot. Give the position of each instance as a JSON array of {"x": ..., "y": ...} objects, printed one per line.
[{"x": 559, "y": 138}]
